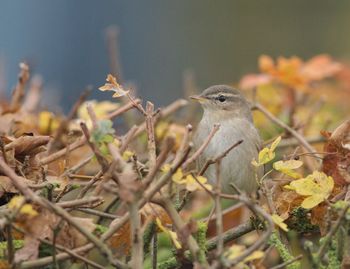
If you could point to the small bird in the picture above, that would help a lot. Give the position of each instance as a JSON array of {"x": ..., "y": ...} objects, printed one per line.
[{"x": 228, "y": 107}]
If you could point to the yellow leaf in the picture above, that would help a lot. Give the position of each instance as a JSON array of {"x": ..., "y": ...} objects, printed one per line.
[
  {"x": 236, "y": 250},
  {"x": 287, "y": 167},
  {"x": 192, "y": 184},
  {"x": 178, "y": 176},
  {"x": 127, "y": 154},
  {"x": 19, "y": 202},
  {"x": 166, "y": 168},
  {"x": 172, "y": 234},
  {"x": 275, "y": 143},
  {"x": 317, "y": 187},
  {"x": 279, "y": 222},
  {"x": 101, "y": 109},
  {"x": 161, "y": 129},
  {"x": 47, "y": 122},
  {"x": 257, "y": 254},
  {"x": 267, "y": 154}
]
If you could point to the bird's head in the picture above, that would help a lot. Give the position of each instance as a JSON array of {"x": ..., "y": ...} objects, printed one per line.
[{"x": 223, "y": 101}]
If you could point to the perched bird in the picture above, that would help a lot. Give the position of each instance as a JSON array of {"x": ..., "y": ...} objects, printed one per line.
[{"x": 228, "y": 107}]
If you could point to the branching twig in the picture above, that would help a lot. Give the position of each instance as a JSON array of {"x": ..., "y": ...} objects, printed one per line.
[
  {"x": 218, "y": 158},
  {"x": 150, "y": 135},
  {"x": 30, "y": 195},
  {"x": 294, "y": 133},
  {"x": 327, "y": 239},
  {"x": 202, "y": 147}
]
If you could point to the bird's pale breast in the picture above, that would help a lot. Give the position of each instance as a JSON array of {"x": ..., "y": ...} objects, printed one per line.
[{"x": 236, "y": 166}]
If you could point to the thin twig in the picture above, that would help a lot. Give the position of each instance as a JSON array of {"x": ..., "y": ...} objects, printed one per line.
[
  {"x": 30, "y": 195},
  {"x": 218, "y": 158},
  {"x": 122, "y": 109},
  {"x": 184, "y": 142},
  {"x": 97, "y": 213},
  {"x": 89, "y": 185},
  {"x": 151, "y": 144},
  {"x": 136, "y": 236},
  {"x": 54, "y": 156},
  {"x": 285, "y": 264},
  {"x": 148, "y": 194},
  {"x": 10, "y": 247},
  {"x": 327, "y": 239},
  {"x": 64, "y": 123},
  {"x": 294, "y": 133},
  {"x": 128, "y": 137},
  {"x": 164, "y": 112},
  {"x": 79, "y": 202},
  {"x": 218, "y": 211},
  {"x": 18, "y": 92},
  {"x": 200, "y": 150},
  {"x": 231, "y": 234},
  {"x": 180, "y": 225}
]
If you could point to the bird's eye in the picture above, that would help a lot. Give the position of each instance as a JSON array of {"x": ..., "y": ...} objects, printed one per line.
[{"x": 221, "y": 98}]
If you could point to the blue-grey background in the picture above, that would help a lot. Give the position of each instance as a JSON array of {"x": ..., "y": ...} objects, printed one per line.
[{"x": 65, "y": 42}]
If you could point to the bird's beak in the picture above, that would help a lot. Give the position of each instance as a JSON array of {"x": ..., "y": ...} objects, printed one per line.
[{"x": 198, "y": 98}]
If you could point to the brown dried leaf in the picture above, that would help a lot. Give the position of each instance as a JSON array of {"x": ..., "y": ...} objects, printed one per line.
[
  {"x": 337, "y": 162},
  {"x": 120, "y": 242},
  {"x": 27, "y": 145},
  {"x": 4, "y": 264},
  {"x": 6, "y": 186},
  {"x": 29, "y": 251},
  {"x": 286, "y": 201},
  {"x": 70, "y": 237},
  {"x": 129, "y": 186}
]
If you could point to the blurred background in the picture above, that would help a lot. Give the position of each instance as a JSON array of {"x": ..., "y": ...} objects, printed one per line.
[{"x": 67, "y": 42}]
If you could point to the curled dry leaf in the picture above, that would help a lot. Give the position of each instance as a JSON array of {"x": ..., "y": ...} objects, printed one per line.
[
  {"x": 6, "y": 186},
  {"x": 27, "y": 144},
  {"x": 113, "y": 85},
  {"x": 336, "y": 162}
]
